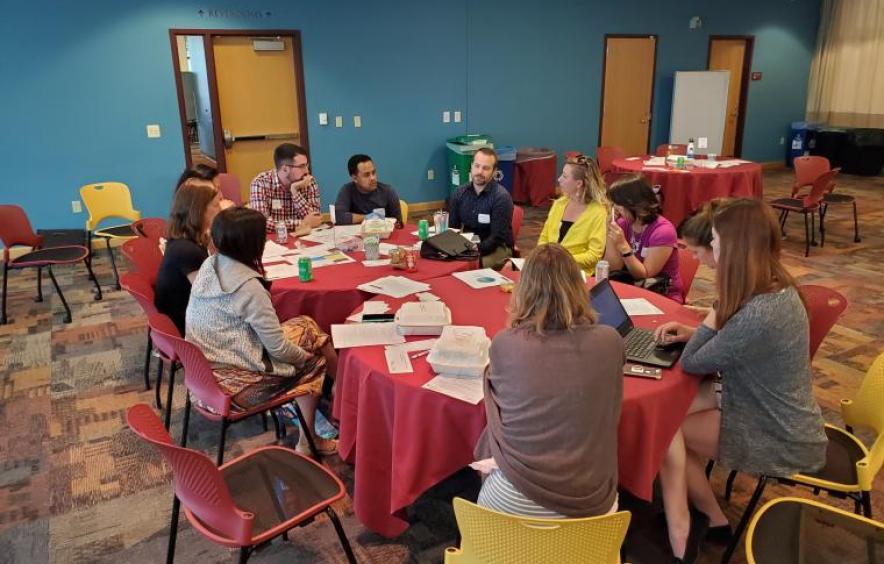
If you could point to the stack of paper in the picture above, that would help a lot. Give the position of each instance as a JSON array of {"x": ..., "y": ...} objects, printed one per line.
[
  {"x": 728, "y": 163},
  {"x": 328, "y": 235},
  {"x": 398, "y": 360},
  {"x": 365, "y": 335},
  {"x": 282, "y": 270},
  {"x": 468, "y": 390},
  {"x": 394, "y": 286},
  {"x": 482, "y": 278},
  {"x": 274, "y": 252},
  {"x": 655, "y": 161}
]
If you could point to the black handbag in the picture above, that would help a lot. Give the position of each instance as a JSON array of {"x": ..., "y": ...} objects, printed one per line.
[{"x": 448, "y": 245}]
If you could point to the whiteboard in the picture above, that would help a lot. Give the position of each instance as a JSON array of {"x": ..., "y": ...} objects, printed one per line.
[{"x": 699, "y": 108}]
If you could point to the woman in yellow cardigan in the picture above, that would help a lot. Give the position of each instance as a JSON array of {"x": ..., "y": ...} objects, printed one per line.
[{"x": 578, "y": 220}]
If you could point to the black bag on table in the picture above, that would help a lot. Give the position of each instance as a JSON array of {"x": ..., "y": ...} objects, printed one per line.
[{"x": 449, "y": 245}]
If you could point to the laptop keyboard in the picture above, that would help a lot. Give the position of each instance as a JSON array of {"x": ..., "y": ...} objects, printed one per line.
[{"x": 639, "y": 343}]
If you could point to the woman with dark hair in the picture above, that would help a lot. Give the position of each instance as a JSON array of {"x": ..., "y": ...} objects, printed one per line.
[
  {"x": 756, "y": 338},
  {"x": 196, "y": 204},
  {"x": 550, "y": 446},
  {"x": 696, "y": 231},
  {"x": 201, "y": 171},
  {"x": 231, "y": 319},
  {"x": 641, "y": 242}
]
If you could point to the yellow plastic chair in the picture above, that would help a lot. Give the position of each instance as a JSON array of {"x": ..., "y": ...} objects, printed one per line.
[
  {"x": 109, "y": 200},
  {"x": 403, "y": 206},
  {"x": 488, "y": 536},
  {"x": 850, "y": 467},
  {"x": 790, "y": 530}
]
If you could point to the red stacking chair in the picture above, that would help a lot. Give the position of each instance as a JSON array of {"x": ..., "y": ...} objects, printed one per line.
[
  {"x": 808, "y": 169},
  {"x": 605, "y": 157},
  {"x": 15, "y": 229},
  {"x": 145, "y": 254},
  {"x": 688, "y": 265},
  {"x": 250, "y": 500},
  {"x": 211, "y": 401},
  {"x": 150, "y": 228},
  {"x": 808, "y": 206},
  {"x": 230, "y": 188},
  {"x": 518, "y": 216}
]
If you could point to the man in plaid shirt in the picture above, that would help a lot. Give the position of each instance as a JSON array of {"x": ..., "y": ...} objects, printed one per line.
[{"x": 287, "y": 193}]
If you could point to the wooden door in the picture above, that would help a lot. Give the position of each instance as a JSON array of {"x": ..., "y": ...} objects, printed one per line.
[
  {"x": 628, "y": 93},
  {"x": 731, "y": 55},
  {"x": 259, "y": 102}
]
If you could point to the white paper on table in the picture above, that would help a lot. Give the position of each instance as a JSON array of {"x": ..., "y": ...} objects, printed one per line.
[
  {"x": 431, "y": 230},
  {"x": 427, "y": 297},
  {"x": 385, "y": 248},
  {"x": 365, "y": 335},
  {"x": 415, "y": 346},
  {"x": 394, "y": 286},
  {"x": 518, "y": 263},
  {"x": 273, "y": 252},
  {"x": 482, "y": 278},
  {"x": 379, "y": 262},
  {"x": 655, "y": 161},
  {"x": 397, "y": 361},
  {"x": 314, "y": 251},
  {"x": 639, "y": 306},
  {"x": 472, "y": 237},
  {"x": 728, "y": 163},
  {"x": 282, "y": 270},
  {"x": 370, "y": 307},
  {"x": 465, "y": 389},
  {"x": 328, "y": 258}
]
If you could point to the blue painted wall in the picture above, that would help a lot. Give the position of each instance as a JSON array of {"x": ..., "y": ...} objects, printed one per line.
[{"x": 87, "y": 77}]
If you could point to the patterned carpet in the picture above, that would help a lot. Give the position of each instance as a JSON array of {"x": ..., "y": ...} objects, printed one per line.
[{"x": 77, "y": 486}]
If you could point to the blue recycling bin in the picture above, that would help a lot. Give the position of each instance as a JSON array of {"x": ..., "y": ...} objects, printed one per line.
[
  {"x": 506, "y": 165},
  {"x": 800, "y": 139}
]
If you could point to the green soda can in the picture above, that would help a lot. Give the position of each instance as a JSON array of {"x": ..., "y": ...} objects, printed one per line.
[
  {"x": 679, "y": 164},
  {"x": 305, "y": 269},
  {"x": 423, "y": 229}
]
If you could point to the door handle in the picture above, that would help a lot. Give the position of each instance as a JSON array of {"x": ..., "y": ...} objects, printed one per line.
[
  {"x": 230, "y": 139},
  {"x": 645, "y": 119}
]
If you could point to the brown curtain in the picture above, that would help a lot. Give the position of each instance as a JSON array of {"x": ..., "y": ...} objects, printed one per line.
[{"x": 846, "y": 86}]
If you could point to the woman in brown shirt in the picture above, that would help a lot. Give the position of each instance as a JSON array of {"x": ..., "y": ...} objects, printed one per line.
[{"x": 552, "y": 398}]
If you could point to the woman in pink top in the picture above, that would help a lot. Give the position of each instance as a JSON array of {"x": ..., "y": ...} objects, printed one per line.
[{"x": 641, "y": 242}]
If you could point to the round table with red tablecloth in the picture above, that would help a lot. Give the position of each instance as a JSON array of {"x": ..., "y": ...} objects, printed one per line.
[
  {"x": 403, "y": 438},
  {"x": 684, "y": 191},
  {"x": 332, "y": 295}
]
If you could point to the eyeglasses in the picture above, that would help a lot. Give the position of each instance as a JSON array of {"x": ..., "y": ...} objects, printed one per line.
[{"x": 302, "y": 166}]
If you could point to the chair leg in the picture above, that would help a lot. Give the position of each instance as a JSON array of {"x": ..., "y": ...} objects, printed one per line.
[
  {"x": 857, "y": 506},
  {"x": 783, "y": 215},
  {"x": 744, "y": 520},
  {"x": 3, "y": 309},
  {"x": 813, "y": 242},
  {"x": 173, "y": 531},
  {"x": 110, "y": 251},
  {"x": 64, "y": 302},
  {"x": 244, "y": 555},
  {"x": 88, "y": 262},
  {"x": 867, "y": 504},
  {"x": 709, "y": 466},
  {"x": 824, "y": 209},
  {"x": 39, "y": 297},
  {"x": 806, "y": 235},
  {"x": 729, "y": 485},
  {"x": 307, "y": 431},
  {"x": 89, "y": 256},
  {"x": 147, "y": 352},
  {"x": 170, "y": 390},
  {"x": 224, "y": 424},
  {"x": 856, "y": 238},
  {"x": 264, "y": 421},
  {"x": 158, "y": 384},
  {"x": 185, "y": 425},
  {"x": 348, "y": 550}
]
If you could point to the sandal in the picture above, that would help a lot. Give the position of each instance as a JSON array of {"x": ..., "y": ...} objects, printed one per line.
[{"x": 324, "y": 447}]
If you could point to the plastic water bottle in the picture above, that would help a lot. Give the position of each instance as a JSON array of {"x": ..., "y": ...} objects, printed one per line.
[
  {"x": 455, "y": 176},
  {"x": 282, "y": 233},
  {"x": 690, "y": 152},
  {"x": 601, "y": 270}
]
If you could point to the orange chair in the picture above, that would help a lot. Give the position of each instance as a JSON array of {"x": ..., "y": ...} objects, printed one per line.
[
  {"x": 808, "y": 206},
  {"x": 150, "y": 228},
  {"x": 688, "y": 264},
  {"x": 808, "y": 169},
  {"x": 145, "y": 255},
  {"x": 518, "y": 216},
  {"x": 229, "y": 185},
  {"x": 247, "y": 502},
  {"x": 605, "y": 157}
]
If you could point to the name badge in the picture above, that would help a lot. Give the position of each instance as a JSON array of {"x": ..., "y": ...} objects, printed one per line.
[
  {"x": 276, "y": 204},
  {"x": 484, "y": 218}
]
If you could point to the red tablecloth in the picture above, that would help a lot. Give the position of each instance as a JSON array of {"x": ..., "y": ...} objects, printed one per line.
[
  {"x": 534, "y": 181},
  {"x": 404, "y": 439},
  {"x": 332, "y": 294},
  {"x": 684, "y": 191}
]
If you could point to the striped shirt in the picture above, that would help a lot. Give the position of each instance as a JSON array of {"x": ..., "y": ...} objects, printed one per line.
[
  {"x": 277, "y": 203},
  {"x": 499, "y": 494}
]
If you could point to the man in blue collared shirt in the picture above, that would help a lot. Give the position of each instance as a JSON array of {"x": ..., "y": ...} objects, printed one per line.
[{"x": 485, "y": 208}]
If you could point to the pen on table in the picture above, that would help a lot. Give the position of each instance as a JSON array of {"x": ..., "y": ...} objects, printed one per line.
[{"x": 418, "y": 354}]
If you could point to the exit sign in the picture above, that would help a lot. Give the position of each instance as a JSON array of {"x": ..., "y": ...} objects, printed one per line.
[{"x": 756, "y": 76}]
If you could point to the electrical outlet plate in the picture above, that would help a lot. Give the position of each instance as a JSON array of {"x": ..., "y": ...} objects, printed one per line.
[
  {"x": 431, "y": 174},
  {"x": 456, "y": 117},
  {"x": 323, "y": 118},
  {"x": 339, "y": 121},
  {"x": 357, "y": 121},
  {"x": 446, "y": 117},
  {"x": 153, "y": 131},
  {"x": 76, "y": 206}
]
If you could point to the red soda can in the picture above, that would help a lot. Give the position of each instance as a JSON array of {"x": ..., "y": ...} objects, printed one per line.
[{"x": 411, "y": 260}]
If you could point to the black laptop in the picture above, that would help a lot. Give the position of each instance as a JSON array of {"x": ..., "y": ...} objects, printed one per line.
[{"x": 640, "y": 344}]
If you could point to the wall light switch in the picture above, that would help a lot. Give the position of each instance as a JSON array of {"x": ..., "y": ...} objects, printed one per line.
[
  {"x": 339, "y": 121},
  {"x": 153, "y": 131},
  {"x": 456, "y": 117},
  {"x": 76, "y": 207},
  {"x": 323, "y": 118},
  {"x": 702, "y": 142},
  {"x": 357, "y": 121},
  {"x": 782, "y": 140},
  {"x": 446, "y": 117},
  {"x": 431, "y": 174}
]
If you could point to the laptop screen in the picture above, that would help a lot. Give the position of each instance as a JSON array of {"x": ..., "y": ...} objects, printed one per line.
[{"x": 609, "y": 308}]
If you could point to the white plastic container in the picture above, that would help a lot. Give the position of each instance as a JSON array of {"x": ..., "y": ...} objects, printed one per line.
[
  {"x": 422, "y": 318},
  {"x": 460, "y": 351}
]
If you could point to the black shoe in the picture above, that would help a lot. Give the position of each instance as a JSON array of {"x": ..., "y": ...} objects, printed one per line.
[
  {"x": 722, "y": 535},
  {"x": 699, "y": 526}
]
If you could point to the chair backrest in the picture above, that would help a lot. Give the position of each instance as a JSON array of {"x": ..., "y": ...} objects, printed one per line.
[
  {"x": 864, "y": 410},
  {"x": 518, "y": 216},
  {"x": 403, "y": 207},
  {"x": 665, "y": 149},
  {"x": 15, "y": 229},
  {"x": 150, "y": 228},
  {"x": 790, "y": 530},
  {"x": 199, "y": 378},
  {"x": 491, "y": 536},
  {"x": 688, "y": 264},
  {"x": 824, "y": 183},
  {"x": 196, "y": 479},
  {"x": 824, "y": 307},
  {"x": 605, "y": 157},
  {"x": 107, "y": 199},
  {"x": 145, "y": 255},
  {"x": 141, "y": 289},
  {"x": 230, "y": 187},
  {"x": 808, "y": 169}
]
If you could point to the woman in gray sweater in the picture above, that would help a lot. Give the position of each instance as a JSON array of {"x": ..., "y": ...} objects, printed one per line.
[
  {"x": 231, "y": 319},
  {"x": 756, "y": 338}
]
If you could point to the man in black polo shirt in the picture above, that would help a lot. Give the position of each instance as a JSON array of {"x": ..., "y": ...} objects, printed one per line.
[
  {"x": 485, "y": 208},
  {"x": 363, "y": 194}
]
